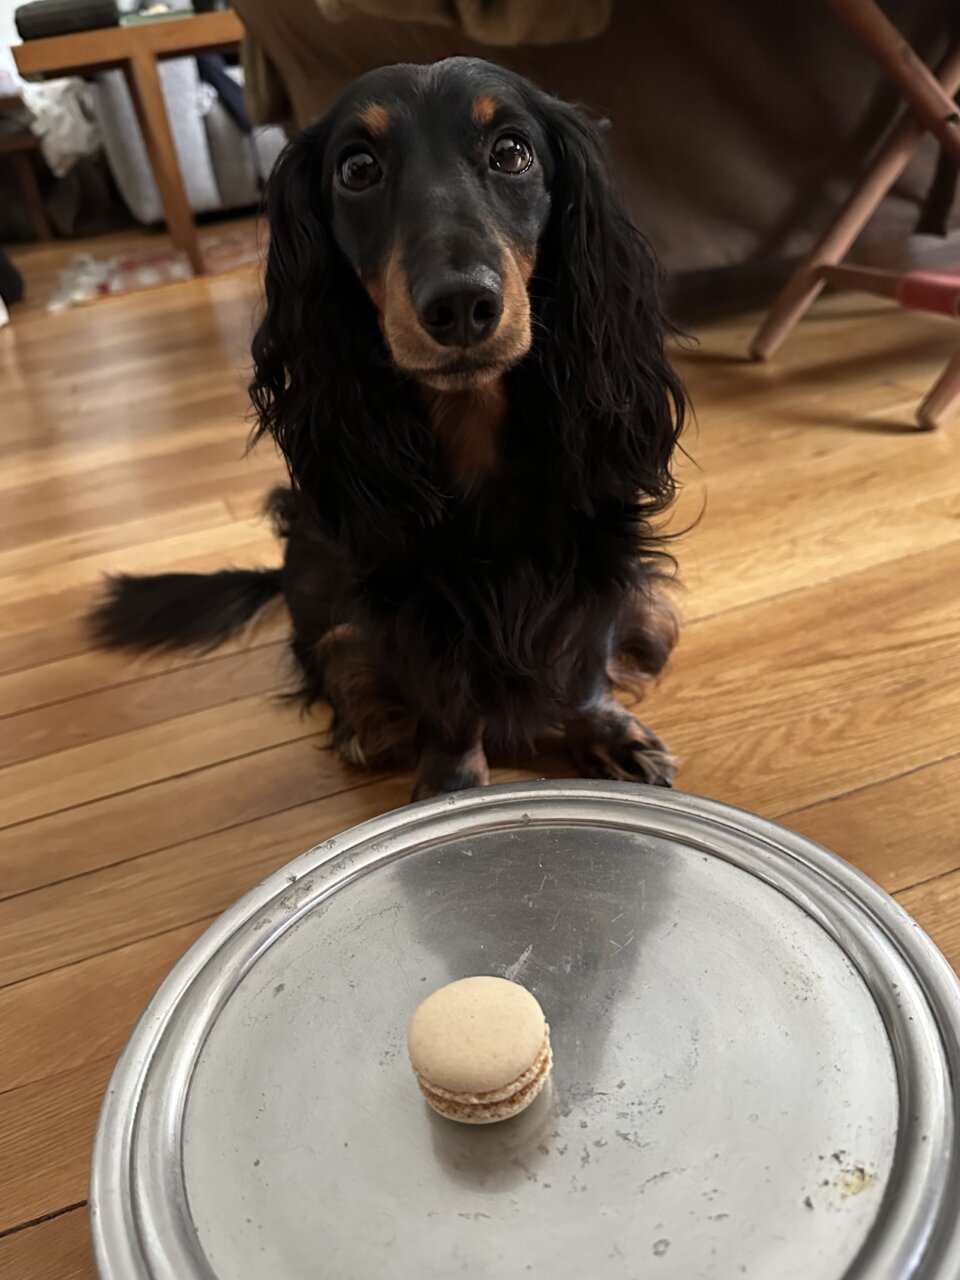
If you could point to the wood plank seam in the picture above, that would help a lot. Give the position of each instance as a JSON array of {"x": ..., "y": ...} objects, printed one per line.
[
  {"x": 58, "y": 1248},
  {"x": 275, "y": 691},
  {"x": 199, "y": 659},
  {"x": 700, "y": 619},
  {"x": 785, "y": 815},
  {"x": 945, "y": 874},
  {"x": 361, "y": 784},
  {"x": 51, "y": 1076},
  {"x": 57, "y": 968},
  {"x": 167, "y": 777},
  {"x": 36, "y": 1222},
  {"x": 61, "y": 657},
  {"x": 87, "y": 645},
  {"x": 259, "y": 761}
]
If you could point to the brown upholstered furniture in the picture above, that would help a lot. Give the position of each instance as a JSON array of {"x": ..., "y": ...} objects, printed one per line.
[{"x": 739, "y": 127}]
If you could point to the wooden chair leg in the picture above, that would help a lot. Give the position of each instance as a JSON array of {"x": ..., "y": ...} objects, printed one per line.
[
  {"x": 942, "y": 396},
  {"x": 804, "y": 286},
  {"x": 930, "y": 99}
]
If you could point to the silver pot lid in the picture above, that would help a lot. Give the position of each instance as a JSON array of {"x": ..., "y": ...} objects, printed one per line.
[{"x": 754, "y": 1055}]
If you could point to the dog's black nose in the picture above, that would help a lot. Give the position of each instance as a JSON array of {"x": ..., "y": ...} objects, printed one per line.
[{"x": 460, "y": 310}]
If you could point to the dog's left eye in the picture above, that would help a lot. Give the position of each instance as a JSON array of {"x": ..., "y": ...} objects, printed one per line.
[
  {"x": 359, "y": 170},
  {"x": 510, "y": 154}
]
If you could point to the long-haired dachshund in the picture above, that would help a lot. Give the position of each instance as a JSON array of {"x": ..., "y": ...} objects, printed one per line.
[{"x": 462, "y": 362}]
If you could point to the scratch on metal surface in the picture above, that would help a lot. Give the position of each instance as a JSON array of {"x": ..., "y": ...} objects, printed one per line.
[
  {"x": 403, "y": 972},
  {"x": 511, "y": 971},
  {"x": 528, "y": 898}
]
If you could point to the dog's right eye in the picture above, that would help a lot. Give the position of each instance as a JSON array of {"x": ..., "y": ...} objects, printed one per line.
[
  {"x": 359, "y": 170},
  {"x": 511, "y": 154}
]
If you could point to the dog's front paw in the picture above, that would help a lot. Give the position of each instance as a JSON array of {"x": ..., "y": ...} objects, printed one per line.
[
  {"x": 623, "y": 751},
  {"x": 442, "y": 771}
]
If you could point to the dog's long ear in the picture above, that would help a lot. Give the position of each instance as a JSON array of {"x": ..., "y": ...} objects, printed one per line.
[
  {"x": 601, "y": 348},
  {"x": 322, "y": 384},
  {"x": 293, "y": 339}
]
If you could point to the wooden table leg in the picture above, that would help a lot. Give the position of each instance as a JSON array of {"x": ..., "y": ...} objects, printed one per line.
[
  {"x": 803, "y": 287},
  {"x": 143, "y": 79},
  {"x": 29, "y": 189}
]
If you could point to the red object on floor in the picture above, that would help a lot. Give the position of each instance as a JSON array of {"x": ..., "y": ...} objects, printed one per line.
[{"x": 930, "y": 291}]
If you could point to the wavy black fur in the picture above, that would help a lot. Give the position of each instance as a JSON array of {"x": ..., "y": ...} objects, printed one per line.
[
  {"x": 181, "y": 610},
  {"x": 497, "y": 611}
]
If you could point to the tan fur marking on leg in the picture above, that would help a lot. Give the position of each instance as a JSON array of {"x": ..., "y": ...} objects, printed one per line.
[{"x": 370, "y": 729}]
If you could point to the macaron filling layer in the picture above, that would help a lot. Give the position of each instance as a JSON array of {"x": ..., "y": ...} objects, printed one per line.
[
  {"x": 542, "y": 1062},
  {"x": 498, "y": 1104}
]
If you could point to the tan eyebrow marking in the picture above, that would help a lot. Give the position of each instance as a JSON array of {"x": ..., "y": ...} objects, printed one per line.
[
  {"x": 485, "y": 107},
  {"x": 376, "y": 118}
]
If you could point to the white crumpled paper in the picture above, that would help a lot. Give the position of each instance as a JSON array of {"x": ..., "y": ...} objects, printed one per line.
[{"x": 62, "y": 118}]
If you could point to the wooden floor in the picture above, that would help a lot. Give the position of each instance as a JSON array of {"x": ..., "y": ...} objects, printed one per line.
[{"x": 818, "y": 680}]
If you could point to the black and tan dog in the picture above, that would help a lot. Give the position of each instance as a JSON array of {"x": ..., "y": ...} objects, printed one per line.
[{"x": 462, "y": 361}]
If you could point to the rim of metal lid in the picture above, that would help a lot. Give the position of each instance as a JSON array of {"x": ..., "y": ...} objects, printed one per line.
[{"x": 140, "y": 1219}]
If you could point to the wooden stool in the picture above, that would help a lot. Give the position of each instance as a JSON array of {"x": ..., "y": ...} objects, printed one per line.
[{"x": 931, "y": 109}]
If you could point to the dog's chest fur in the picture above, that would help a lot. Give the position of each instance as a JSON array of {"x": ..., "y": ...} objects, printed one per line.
[
  {"x": 515, "y": 593},
  {"x": 510, "y": 526},
  {"x": 468, "y": 427}
]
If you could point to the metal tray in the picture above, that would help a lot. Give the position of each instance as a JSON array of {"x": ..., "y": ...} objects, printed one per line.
[{"x": 755, "y": 1049}]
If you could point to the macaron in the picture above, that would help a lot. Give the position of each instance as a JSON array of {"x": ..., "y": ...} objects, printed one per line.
[{"x": 480, "y": 1049}]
